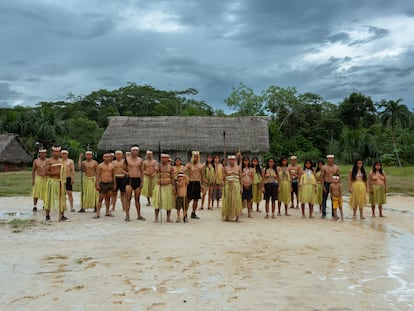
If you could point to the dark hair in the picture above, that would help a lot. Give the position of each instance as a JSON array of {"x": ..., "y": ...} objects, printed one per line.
[
  {"x": 242, "y": 162},
  {"x": 267, "y": 163},
  {"x": 258, "y": 169},
  {"x": 282, "y": 159},
  {"x": 307, "y": 161},
  {"x": 212, "y": 160},
  {"x": 374, "y": 170},
  {"x": 355, "y": 171},
  {"x": 320, "y": 162}
]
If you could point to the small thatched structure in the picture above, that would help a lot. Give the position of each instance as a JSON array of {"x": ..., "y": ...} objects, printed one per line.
[
  {"x": 180, "y": 135},
  {"x": 13, "y": 155}
]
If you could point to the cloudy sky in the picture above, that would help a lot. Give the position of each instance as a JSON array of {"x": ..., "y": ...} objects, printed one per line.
[{"x": 50, "y": 48}]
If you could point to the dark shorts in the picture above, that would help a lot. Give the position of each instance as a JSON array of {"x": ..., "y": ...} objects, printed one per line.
[
  {"x": 134, "y": 182},
  {"x": 68, "y": 184},
  {"x": 247, "y": 194},
  {"x": 295, "y": 188},
  {"x": 270, "y": 191},
  {"x": 179, "y": 202},
  {"x": 121, "y": 183},
  {"x": 106, "y": 187},
  {"x": 194, "y": 190}
]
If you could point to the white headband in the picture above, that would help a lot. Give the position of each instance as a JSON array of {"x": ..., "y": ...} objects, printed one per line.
[
  {"x": 330, "y": 156},
  {"x": 134, "y": 149},
  {"x": 231, "y": 157},
  {"x": 165, "y": 155},
  {"x": 65, "y": 151},
  {"x": 56, "y": 148},
  {"x": 42, "y": 151}
]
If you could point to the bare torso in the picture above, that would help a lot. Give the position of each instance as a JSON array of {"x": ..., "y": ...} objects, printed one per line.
[
  {"x": 166, "y": 172},
  {"x": 135, "y": 167},
  {"x": 54, "y": 167},
  {"x": 150, "y": 167},
  {"x": 336, "y": 190},
  {"x": 89, "y": 167},
  {"x": 40, "y": 167},
  {"x": 194, "y": 171},
  {"x": 119, "y": 167},
  {"x": 328, "y": 171},
  {"x": 105, "y": 172}
]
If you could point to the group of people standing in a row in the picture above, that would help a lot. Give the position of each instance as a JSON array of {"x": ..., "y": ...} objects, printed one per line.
[{"x": 239, "y": 183}]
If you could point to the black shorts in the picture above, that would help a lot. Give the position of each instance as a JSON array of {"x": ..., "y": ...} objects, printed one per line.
[
  {"x": 121, "y": 183},
  {"x": 270, "y": 191},
  {"x": 134, "y": 182},
  {"x": 106, "y": 187},
  {"x": 180, "y": 202},
  {"x": 247, "y": 194},
  {"x": 295, "y": 188},
  {"x": 194, "y": 190},
  {"x": 68, "y": 184}
]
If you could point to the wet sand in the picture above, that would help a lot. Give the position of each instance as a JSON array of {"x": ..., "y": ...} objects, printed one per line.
[{"x": 288, "y": 263}]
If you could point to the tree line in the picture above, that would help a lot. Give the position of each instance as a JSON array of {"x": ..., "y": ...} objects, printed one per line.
[{"x": 302, "y": 124}]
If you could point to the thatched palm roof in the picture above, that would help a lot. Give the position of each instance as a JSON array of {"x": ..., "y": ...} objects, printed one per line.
[
  {"x": 12, "y": 150},
  {"x": 205, "y": 134}
]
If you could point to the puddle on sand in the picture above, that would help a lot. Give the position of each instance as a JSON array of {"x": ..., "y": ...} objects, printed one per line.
[
  {"x": 399, "y": 268},
  {"x": 15, "y": 215}
]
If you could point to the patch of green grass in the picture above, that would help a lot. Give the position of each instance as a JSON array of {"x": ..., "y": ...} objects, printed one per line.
[
  {"x": 20, "y": 183},
  {"x": 18, "y": 225}
]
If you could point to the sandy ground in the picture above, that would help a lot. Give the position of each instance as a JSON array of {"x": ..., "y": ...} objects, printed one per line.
[{"x": 288, "y": 263}]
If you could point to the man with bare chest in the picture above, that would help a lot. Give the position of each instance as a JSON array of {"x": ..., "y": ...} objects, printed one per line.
[
  {"x": 39, "y": 178},
  {"x": 195, "y": 174},
  {"x": 327, "y": 172},
  {"x": 89, "y": 195},
  {"x": 150, "y": 176},
  {"x": 55, "y": 191},
  {"x": 135, "y": 169},
  {"x": 120, "y": 179},
  {"x": 105, "y": 183},
  {"x": 70, "y": 176}
]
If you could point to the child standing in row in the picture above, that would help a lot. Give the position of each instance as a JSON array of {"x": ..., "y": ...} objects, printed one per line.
[{"x": 335, "y": 189}]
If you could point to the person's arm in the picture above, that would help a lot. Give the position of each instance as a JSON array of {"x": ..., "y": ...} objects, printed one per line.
[
  {"x": 173, "y": 180},
  {"x": 98, "y": 177},
  {"x": 340, "y": 190},
  {"x": 385, "y": 182},
  {"x": 113, "y": 176},
  {"x": 350, "y": 181},
  {"x": 142, "y": 175},
  {"x": 34, "y": 168},
  {"x": 72, "y": 172}
]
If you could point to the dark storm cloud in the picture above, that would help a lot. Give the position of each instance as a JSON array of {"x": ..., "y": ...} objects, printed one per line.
[{"x": 51, "y": 48}]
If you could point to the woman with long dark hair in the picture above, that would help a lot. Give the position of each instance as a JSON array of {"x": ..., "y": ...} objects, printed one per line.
[
  {"x": 270, "y": 180},
  {"x": 208, "y": 182},
  {"x": 358, "y": 188},
  {"x": 257, "y": 181},
  {"x": 247, "y": 175},
  {"x": 319, "y": 193},
  {"x": 308, "y": 188},
  {"x": 285, "y": 185},
  {"x": 377, "y": 183}
]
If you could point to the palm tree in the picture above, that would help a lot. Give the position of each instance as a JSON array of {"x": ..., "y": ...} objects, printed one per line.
[{"x": 394, "y": 114}]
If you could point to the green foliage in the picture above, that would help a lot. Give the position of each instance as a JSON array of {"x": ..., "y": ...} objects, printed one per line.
[
  {"x": 245, "y": 101},
  {"x": 80, "y": 121}
]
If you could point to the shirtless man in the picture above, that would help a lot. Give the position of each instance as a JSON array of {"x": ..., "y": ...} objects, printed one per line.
[
  {"x": 89, "y": 195},
  {"x": 55, "y": 190},
  {"x": 195, "y": 174},
  {"x": 181, "y": 195},
  {"x": 327, "y": 171},
  {"x": 70, "y": 176},
  {"x": 164, "y": 191},
  {"x": 150, "y": 177},
  {"x": 295, "y": 172},
  {"x": 105, "y": 184},
  {"x": 120, "y": 179},
  {"x": 39, "y": 178},
  {"x": 135, "y": 169}
]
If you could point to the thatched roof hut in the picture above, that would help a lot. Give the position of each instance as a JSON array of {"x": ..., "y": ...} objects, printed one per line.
[
  {"x": 13, "y": 154},
  {"x": 180, "y": 135}
]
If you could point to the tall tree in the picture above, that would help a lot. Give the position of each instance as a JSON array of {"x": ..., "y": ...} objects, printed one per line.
[
  {"x": 245, "y": 101},
  {"x": 357, "y": 110},
  {"x": 394, "y": 114}
]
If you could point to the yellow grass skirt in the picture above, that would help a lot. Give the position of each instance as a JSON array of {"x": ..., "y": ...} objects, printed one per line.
[
  {"x": 257, "y": 193},
  {"x": 55, "y": 198},
  {"x": 379, "y": 197},
  {"x": 164, "y": 198},
  {"x": 307, "y": 194},
  {"x": 359, "y": 195},
  {"x": 232, "y": 201},
  {"x": 148, "y": 186},
  {"x": 319, "y": 195},
  {"x": 39, "y": 188},
  {"x": 284, "y": 194},
  {"x": 90, "y": 195}
]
